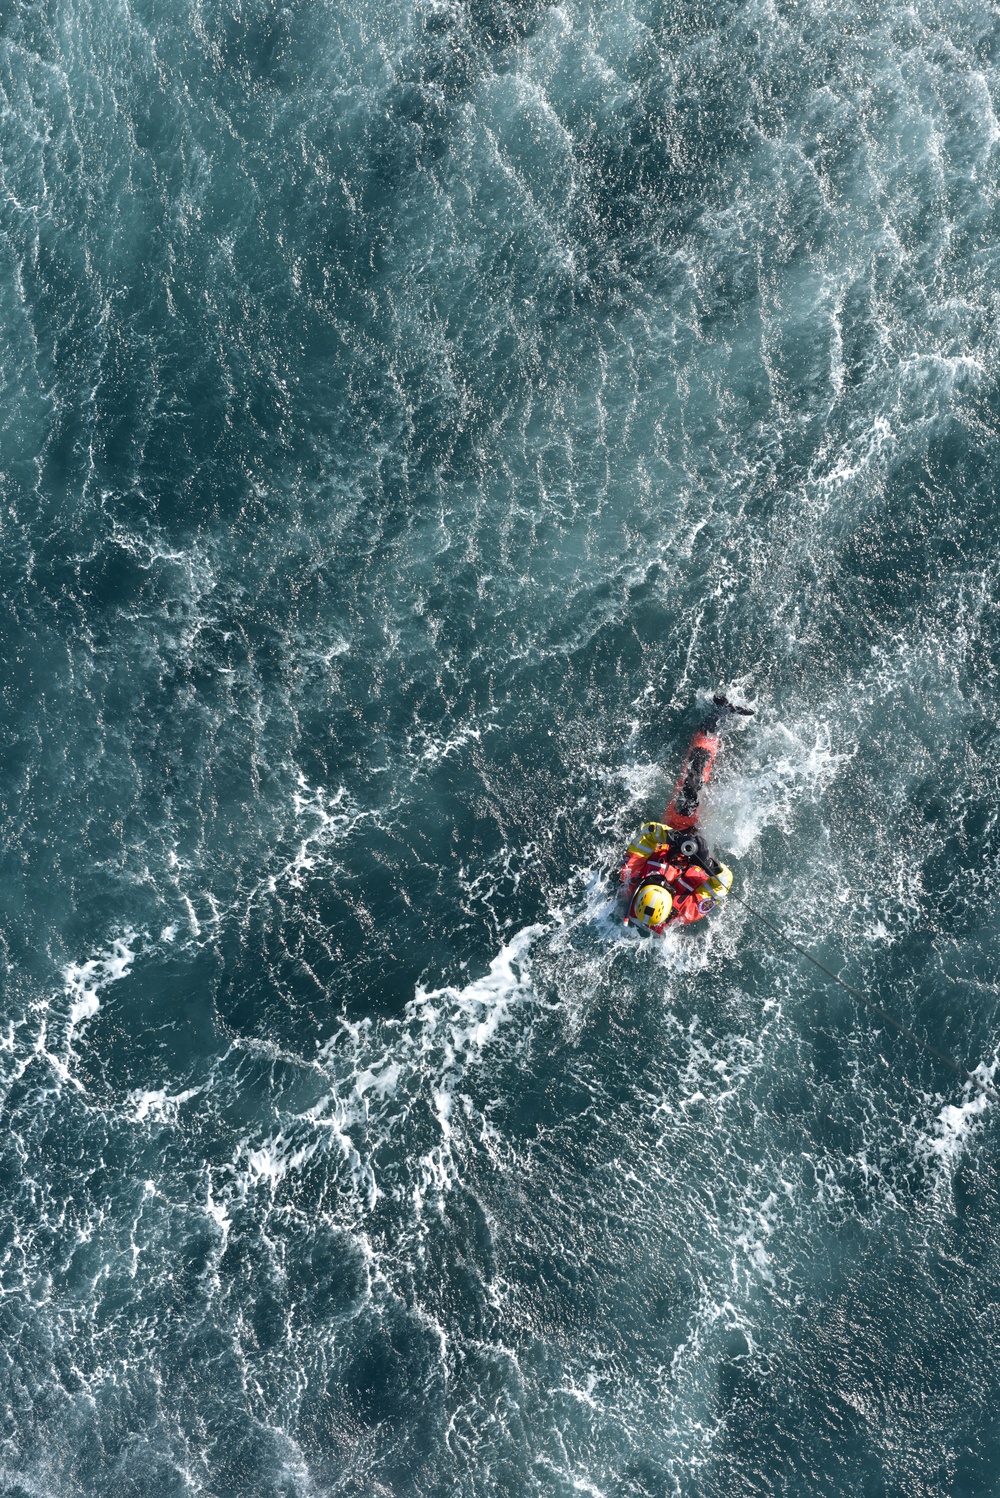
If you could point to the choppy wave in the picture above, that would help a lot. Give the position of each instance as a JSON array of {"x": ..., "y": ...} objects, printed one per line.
[{"x": 411, "y": 414}]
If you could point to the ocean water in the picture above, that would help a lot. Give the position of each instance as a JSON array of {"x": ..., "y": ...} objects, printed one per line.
[{"x": 411, "y": 413}]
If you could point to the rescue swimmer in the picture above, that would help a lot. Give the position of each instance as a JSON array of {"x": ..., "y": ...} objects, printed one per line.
[{"x": 670, "y": 877}]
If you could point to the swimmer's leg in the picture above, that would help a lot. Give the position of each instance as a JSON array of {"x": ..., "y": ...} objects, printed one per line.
[{"x": 682, "y": 812}]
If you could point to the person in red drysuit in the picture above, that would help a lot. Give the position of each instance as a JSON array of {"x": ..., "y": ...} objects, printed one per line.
[{"x": 669, "y": 876}]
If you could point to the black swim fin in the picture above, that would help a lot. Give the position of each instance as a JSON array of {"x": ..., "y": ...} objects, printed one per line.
[{"x": 725, "y": 706}]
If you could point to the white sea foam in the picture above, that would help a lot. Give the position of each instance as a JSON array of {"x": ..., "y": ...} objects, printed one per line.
[
  {"x": 621, "y": 345},
  {"x": 431, "y": 748},
  {"x": 944, "y": 1142},
  {"x": 86, "y": 981},
  {"x": 324, "y": 818},
  {"x": 443, "y": 1034},
  {"x": 158, "y": 1104},
  {"x": 786, "y": 764}
]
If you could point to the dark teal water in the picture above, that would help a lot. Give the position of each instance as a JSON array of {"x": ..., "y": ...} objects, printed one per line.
[{"x": 411, "y": 413}]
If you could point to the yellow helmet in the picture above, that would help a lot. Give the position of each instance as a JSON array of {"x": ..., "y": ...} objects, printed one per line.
[{"x": 651, "y": 906}]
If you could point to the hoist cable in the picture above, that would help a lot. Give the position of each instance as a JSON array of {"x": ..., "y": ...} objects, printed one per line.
[{"x": 870, "y": 1004}]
